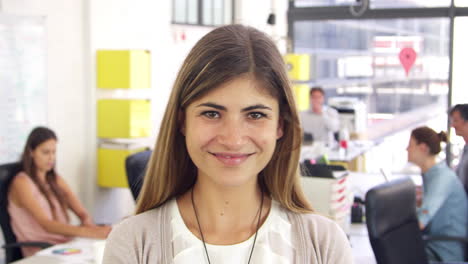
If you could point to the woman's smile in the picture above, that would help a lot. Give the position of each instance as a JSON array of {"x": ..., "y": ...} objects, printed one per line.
[{"x": 231, "y": 159}]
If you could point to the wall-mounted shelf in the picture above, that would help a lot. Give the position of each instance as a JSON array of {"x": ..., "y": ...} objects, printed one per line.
[
  {"x": 124, "y": 118},
  {"x": 123, "y": 69}
]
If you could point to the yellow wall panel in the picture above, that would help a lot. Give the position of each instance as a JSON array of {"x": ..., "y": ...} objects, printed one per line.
[
  {"x": 140, "y": 74},
  {"x": 111, "y": 167},
  {"x": 123, "y": 69},
  {"x": 298, "y": 66},
  {"x": 301, "y": 92},
  {"x": 123, "y": 118}
]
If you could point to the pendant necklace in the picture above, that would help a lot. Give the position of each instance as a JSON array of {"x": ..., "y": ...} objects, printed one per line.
[{"x": 203, "y": 238}]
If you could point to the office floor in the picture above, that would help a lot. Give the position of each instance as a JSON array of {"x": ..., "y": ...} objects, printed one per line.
[{"x": 360, "y": 245}]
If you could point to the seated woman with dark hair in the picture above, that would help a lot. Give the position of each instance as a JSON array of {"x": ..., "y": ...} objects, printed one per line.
[
  {"x": 39, "y": 198},
  {"x": 443, "y": 211}
]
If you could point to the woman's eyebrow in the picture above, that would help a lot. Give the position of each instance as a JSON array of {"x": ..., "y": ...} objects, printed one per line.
[
  {"x": 213, "y": 105},
  {"x": 246, "y": 109},
  {"x": 257, "y": 106}
]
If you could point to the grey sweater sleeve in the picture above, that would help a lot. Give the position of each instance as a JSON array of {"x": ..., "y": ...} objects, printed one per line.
[
  {"x": 120, "y": 246},
  {"x": 328, "y": 243},
  {"x": 136, "y": 240},
  {"x": 338, "y": 249}
]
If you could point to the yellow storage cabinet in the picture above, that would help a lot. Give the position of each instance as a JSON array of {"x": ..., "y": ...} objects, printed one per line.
[
  {"x": 111, "y": 166},
  {"x": 123, "y": 69},
  {"x": 301, "y": 93},
  {"x": 298, "y": 66},
  {"x": 123, "y": 118}
]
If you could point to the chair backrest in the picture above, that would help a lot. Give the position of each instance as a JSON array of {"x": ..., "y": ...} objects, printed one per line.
[
  {"x": 7, "y": 172},
  {"x": 393, "y": 225},
  {"x": 135, "y": 166}
]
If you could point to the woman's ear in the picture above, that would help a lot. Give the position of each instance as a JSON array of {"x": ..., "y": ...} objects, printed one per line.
[
  {"x": 181, "y": 121},
  {"x": 424, "y": 148},
  {"x": 279, "y": 132}
]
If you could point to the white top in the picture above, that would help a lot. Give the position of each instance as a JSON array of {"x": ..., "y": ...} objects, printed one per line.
[
  {"x": 147, "y": 238},
  {"x": 273, "y": 245},
  {"x": 321, "y": 126}
]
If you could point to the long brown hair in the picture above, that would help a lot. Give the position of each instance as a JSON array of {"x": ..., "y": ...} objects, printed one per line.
[
  {"x": 38, "y": 136},
  {"x": 220, "y": 56},
  {"x": 429, "y": 137}
]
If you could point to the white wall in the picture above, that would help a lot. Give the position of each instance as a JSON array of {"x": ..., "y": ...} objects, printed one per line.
[{"x": 66, "y": 87}]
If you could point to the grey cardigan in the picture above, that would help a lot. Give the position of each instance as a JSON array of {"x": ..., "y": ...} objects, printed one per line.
[{"x": 146, "y": 238}]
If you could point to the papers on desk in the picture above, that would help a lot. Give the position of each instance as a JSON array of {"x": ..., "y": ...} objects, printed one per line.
[
  {"x": 355, "y": 149},
  {"x": 77, "y": 251}
]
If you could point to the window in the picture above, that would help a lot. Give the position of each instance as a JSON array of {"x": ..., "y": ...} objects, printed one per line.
[
  {"x": 361, "y": 59},
  {"x": 203, "y": 12}
]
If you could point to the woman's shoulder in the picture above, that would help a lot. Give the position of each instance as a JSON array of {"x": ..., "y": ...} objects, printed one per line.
[
  {"x": 21, "y": 180},
  {"x": 318, "y": 227},
  {"x": 21, "y": 175},
  {"x": 139, "y": 221},
  {"x": 139, "y": 224},
  {"x": 323, "y": 237},
  {"x": 445, "y": 174},
  {"x": 139, "y": 233},
  {"x": 317, "y": 221}
]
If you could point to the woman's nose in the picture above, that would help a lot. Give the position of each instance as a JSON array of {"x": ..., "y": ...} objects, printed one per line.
[{"x": 232, "y": 134}]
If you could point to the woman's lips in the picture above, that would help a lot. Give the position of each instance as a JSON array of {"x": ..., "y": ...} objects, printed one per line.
[{"x": 231, "y": 159}]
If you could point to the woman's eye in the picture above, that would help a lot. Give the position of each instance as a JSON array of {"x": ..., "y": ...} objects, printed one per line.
[
  {"x": 211, "y": 114},
  {"x": 256, "y": 115}
]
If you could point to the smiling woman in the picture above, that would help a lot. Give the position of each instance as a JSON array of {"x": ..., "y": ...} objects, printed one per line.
[{"x": 223, "y": 183}]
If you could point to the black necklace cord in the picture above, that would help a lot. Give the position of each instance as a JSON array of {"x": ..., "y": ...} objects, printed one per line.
[{"x": 203, "y": 238}]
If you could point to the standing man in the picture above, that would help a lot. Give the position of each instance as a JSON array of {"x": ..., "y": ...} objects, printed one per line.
[
  {"x": 459, "y": 121},
  {"x": 320, "y": 120}
]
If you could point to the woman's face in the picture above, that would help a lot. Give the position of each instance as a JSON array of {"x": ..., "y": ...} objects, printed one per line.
[
  {"x": 231, "y": 132},
  {"x": 44, "y": 155},
  {"x": 415, "y": 151}
]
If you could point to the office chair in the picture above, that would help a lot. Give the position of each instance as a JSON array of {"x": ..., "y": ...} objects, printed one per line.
[
  {"x": 12, "y": 247},
  {"x": 393, "y": 225},
  {"x": 319, "y": 170},
  {"x": 135, "y": 166}
]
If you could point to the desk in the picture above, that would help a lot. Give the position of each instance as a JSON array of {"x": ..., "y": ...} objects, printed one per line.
[
  {"x": 91, "y": 252},
  {"x": 352, "y": 158},
  {"x": 40, "y": 260}
]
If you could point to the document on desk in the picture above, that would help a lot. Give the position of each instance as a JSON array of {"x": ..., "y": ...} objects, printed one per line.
[{"x": 79, "y": 250}]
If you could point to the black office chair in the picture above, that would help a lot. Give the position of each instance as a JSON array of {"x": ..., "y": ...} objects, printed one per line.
[
  {"x": 319, "y": 170},
  {"x": 135, "y": 166},
  {"x": 12, "y": 247},
  {"x": 393, "y": 225}
]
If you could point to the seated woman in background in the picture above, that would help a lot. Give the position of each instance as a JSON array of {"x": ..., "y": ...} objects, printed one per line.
[
  {"x": 443, "y": 210},
  {"x": 39, "y": 199},
  {"x": 223, "y": 183}
]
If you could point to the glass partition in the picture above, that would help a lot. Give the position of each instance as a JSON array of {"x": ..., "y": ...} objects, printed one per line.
[{"x": 394, "y": 66}]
